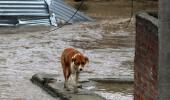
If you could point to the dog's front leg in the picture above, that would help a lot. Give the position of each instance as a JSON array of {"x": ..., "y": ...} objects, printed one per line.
[
  {"x": 66, "y": 85},
  {"x": 74, "y": 80},
  {"x": 77, "y": 80}
]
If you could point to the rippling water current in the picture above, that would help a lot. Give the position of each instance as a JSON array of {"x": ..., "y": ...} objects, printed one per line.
[{"x": 26, "y": 51}]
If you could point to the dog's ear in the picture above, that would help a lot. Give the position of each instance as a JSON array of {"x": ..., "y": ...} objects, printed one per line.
[
  {"x": 73, "y": 59},
  {"x": 87, "y": 59}
]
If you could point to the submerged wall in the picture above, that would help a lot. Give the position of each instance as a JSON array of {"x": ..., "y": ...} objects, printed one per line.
[{"x": 146, "y": 57}]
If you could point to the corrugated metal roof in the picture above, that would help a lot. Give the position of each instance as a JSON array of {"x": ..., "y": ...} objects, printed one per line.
[
  {"x": 33, "y": 12},
  {"x": 19, "y": 12},
  {"x": 64, "y": 11}
]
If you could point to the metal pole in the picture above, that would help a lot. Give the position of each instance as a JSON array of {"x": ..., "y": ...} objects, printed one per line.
[{"x": 164, "y": 50}]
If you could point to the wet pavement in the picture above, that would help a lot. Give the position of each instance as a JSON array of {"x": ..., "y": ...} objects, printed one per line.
[{"x": 25, "y": 51}]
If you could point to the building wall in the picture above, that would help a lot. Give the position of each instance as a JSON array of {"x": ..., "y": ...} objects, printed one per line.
[{"x": 146, "y": 58}]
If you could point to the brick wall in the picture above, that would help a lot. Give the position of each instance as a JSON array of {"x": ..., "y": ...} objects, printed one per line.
[{"x": 146, "y": 57}]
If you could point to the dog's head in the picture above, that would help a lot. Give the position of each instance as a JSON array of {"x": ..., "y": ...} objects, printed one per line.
[{"x": 79, "y": 61}]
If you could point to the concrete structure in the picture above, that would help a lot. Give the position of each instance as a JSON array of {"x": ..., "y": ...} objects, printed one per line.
[
  {"x": 164, "y": 51},
  {"x": 158, "y": 78},
  {"x": 54, "y": 87}
]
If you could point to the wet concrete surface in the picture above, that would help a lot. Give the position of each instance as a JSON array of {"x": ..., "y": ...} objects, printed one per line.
[{"x": 54, "y": 87}]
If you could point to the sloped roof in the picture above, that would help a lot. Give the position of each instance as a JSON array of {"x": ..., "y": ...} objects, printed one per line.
[{"x": 65, "y": 12}]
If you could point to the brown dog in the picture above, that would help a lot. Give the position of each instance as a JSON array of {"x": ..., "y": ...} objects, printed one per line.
[{"x": 72, "y": 62}]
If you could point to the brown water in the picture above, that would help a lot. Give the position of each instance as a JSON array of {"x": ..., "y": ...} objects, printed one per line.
[
  {"x": 26, "y": 53},
  {"x": 108, "y": 44}
]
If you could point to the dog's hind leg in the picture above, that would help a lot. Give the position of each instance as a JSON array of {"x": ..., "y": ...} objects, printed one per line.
[{"x": 66, "y": 76}]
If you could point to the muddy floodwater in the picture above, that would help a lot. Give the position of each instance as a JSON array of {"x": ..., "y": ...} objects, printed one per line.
[
  {"x": 108, "y": 43},
  {"x": 26, "y": 51}
]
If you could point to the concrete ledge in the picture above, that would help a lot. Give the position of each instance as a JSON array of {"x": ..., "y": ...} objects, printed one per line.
[
  {"x": 51, "y": 85},
  {"x": 149, "y": 16}
]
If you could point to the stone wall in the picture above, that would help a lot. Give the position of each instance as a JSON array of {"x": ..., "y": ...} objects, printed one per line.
[{"x": 146, "y": 57}]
